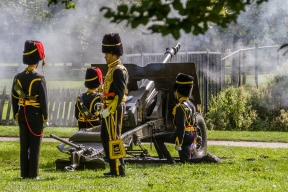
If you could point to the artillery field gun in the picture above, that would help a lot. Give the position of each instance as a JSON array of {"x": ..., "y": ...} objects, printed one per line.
[{"x": 148, "y": 110}]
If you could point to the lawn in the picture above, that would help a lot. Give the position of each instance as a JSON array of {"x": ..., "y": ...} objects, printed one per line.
[
  {"x": 13, "y": 131},
  {"x": 243, "y": 169},
  {"x": 50, "y": 84}
]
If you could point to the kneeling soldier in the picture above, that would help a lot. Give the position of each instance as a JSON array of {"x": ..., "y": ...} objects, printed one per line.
[
  {"x": 85, "y": 113},
  {"x": 184, "y": 118}
]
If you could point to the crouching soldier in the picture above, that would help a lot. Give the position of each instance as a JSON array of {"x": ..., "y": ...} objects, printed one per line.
[
  {"x": 29, "y": 104},
  {"x": 183, "y": 121},
  {"x": 85, "y": 113}
]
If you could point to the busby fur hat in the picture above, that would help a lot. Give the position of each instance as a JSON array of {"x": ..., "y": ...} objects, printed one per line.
[
  {"x": 183, "y": 84},
  {"x": 33, "y": 52},
  {"x": 111, "y": 43},
  {"x": 93, "y": 78}
]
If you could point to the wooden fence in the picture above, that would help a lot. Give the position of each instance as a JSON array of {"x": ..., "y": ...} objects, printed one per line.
[{"x": 61, "y": 107}]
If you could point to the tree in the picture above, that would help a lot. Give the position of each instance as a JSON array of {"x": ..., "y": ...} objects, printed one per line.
[
  {"x": 173, "y": 16},
  {"x": 265, "y": 23}
]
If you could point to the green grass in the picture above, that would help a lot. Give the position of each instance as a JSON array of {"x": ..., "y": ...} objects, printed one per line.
[
  {"x": 248, "y": 136},
  {"x": 13, "y": 131},
  {"x": 50, "y": 84},
  {"x": 243, "y": 169}
]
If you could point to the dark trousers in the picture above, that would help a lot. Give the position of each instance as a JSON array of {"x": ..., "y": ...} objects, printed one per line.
[
  {"x": 105, "y": 141},
  {"x": 29, "y": 143},
  {"x": 159, "y": 140}
]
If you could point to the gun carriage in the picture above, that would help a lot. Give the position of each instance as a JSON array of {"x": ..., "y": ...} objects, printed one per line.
[{"x": 148, "y": 110}]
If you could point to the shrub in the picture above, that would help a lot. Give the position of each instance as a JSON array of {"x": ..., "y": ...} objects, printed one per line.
[
  {"x": 280, "y": 123},
  {"x": 230, "y": 110}
]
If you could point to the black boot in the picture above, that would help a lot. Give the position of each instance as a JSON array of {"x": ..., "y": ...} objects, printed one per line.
[
  {"x": 171, "y": 160},
  {"x": 112, "y": 169},
  {"x": 210, "y": 157},
  {"x": 107, "y": 174},
  {"x": 121, "y": 168},
  {"x": 122, "y": 171}
]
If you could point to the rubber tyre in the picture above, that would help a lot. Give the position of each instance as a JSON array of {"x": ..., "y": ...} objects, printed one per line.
[{"x": 201, "y": 142}]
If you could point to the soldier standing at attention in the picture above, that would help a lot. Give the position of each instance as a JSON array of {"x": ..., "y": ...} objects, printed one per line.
[
  {"x": 114, "y": 97},
  {"x": 29, "y": 103},
  {"x": 84, "y": 107}
]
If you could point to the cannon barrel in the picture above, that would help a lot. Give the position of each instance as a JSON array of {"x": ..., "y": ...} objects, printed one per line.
[
  {"x": 66, "y": 142},
  {"x": 170, "y": 52}
]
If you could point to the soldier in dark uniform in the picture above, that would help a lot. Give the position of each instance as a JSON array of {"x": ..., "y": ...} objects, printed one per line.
[
  {"x": 29, "y": 103},
  {"x": 114, "y": 97},
  {"x": 184, "y": 135},
  {"x": 84, "y": 107}
]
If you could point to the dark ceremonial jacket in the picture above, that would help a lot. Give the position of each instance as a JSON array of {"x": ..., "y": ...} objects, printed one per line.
[
  {"x": 33, "y": 85},
  {"x": 89, "y": 98},
  {"x": 115, "y": 84},
  {"x": 183, "y": 119}
]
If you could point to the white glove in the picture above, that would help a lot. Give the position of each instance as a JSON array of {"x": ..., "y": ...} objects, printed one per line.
[
  {"x": 105, "y": 113},
  {"x": 16, "y": 123},
  {"x": 178, "y": 148},
  {"x": 46, "y": 124}
]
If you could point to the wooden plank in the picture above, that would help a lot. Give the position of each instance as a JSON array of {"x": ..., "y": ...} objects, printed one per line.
[
  {"x": 54, "y": 110},
  {"x": 50, "y": 105},
  {"x": 77, "y": 93},
  {"x": 69, "y": 119},
  {"x": 67, "y": 102},
  {"x": 72, "y": 107},
  {"x": 2, "y": 100},
  {"x": 58, "y": 113},
  {"x": 57, "y": 106},
  {"x": 60, "y": 107}
]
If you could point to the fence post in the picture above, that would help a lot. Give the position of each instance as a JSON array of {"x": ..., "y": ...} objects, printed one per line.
[
  {"x": 244, "y": 69},
  {"x": 256, "y": 64},
  {"x": 239, "y": 70},
  {"x": 206, "y": 91},
  {"x": 2, "y": 101}
]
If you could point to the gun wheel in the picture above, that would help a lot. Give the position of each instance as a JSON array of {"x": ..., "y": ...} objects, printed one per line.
[{"x": 201, "y": 141}]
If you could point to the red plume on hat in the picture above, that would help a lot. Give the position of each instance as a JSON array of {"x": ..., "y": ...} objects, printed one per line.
[
  {"x": 93, "y": 78},
  {"x": 33, "y": 52},
  {"x": 40, "y": 48}
]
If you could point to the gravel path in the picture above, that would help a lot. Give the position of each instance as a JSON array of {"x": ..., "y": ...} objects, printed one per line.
[{"x": 220, "y": 143}]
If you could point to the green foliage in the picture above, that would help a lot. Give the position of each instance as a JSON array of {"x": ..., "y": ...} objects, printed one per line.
[
  {"x": 279, "y": 92},
  {"x": 68, "y": 3},
  {"x": 280, "y": 123},
  {"x": 172, "y": 16},
  {"x": 230, "y": 110},
  {"x": 270, "y": 103},
  {"x": 20, "y": 15},
  {"x": 262, "y": 109}
]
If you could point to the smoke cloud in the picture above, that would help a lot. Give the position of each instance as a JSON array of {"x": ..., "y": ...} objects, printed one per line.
[{"x": 74, "y": 36}]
